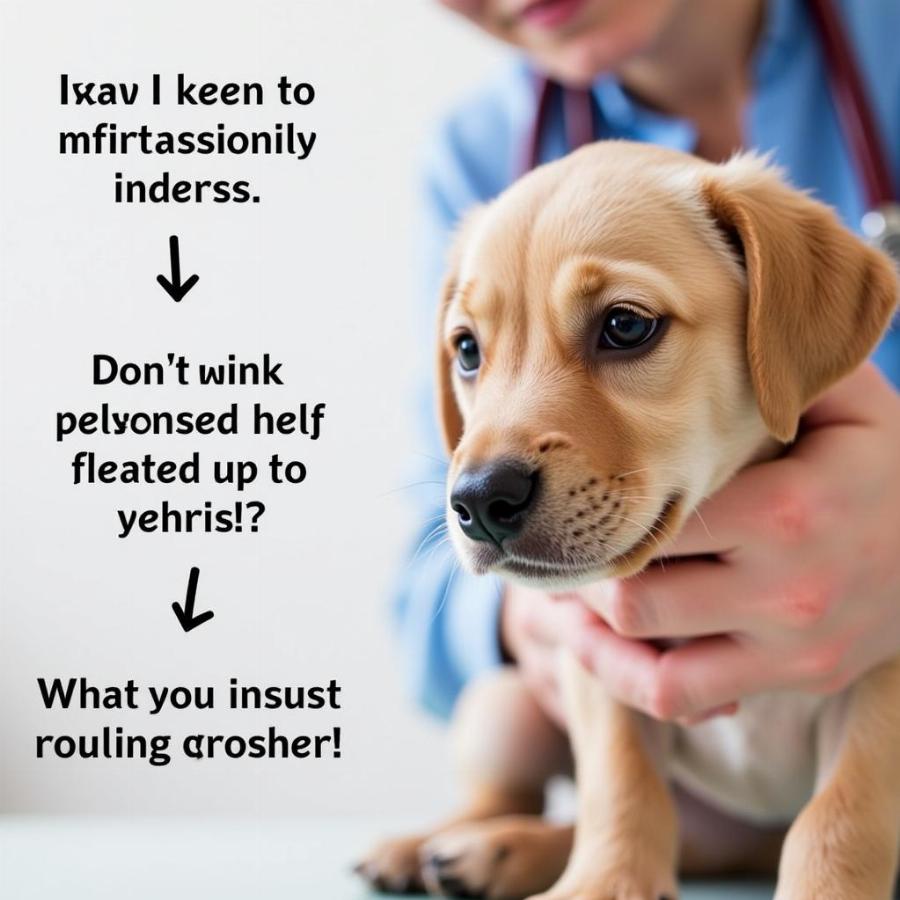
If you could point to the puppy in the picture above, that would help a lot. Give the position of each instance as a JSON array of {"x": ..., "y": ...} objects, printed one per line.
[{"x": 620, "y": 333}]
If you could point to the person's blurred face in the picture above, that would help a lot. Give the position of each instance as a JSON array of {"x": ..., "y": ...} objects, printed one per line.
[{"x": 573, "y": 40}]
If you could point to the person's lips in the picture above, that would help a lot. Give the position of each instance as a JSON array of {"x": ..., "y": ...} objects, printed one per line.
[{"x": 550, "y": 14}]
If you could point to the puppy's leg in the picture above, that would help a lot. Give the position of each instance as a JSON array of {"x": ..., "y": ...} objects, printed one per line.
[
  {"x": 504, "y": 858},
  {"x": 506, "y": 750},
  {"x": 626, "y": 835},
  {"x": 844, "y": 844}
]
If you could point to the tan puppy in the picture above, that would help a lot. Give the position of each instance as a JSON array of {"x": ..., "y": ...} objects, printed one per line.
[{"x": 620, "y": 333}]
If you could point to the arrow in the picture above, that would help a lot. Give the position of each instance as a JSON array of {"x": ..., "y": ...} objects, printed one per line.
[
  {"x": 174, "y": 288},
  {"x": 186, "y": 616}
]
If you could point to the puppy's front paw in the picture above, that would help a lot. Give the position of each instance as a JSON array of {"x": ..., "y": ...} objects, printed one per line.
[
  {"x": 507, "y": 858},
  {"x": 615, "y": 892},
  {"x": 636, "y": 885},
  {"x": 393, "y": 866}
]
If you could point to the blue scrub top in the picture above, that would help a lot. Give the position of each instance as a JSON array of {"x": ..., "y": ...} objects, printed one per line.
[{"x": 448, "y": 619}]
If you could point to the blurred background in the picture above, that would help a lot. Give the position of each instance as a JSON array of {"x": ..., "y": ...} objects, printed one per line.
[{"x": 321, "y": 274}]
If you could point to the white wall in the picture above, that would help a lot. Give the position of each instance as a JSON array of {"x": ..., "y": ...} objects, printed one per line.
[{"x": 319, "y": 275}]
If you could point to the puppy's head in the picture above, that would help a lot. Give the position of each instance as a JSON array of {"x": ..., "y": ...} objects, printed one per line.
[{"x": 620, "y": 332}]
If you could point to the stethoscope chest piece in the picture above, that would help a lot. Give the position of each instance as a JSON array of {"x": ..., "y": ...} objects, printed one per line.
[{"x": 881, "y": 227}]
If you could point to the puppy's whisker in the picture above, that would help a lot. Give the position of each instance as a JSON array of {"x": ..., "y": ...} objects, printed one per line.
[
  {"x": 649, "y": 531},
  {"x": 431, "y": 536},
  {"x": 660, "y": 484},
  {"x": 444, "y": 542},
  {"x": 441, "y": 516},
  {"x": 709, "y": 534},
  {"x": 653, "y": 468},
  {"x": 455, "y": 568},
  {"x": 438, "y": 460},
  {"x": 406, "y": 487},
  {"x": 441, "y": 524},
  {"x": 694, "y": 512}
]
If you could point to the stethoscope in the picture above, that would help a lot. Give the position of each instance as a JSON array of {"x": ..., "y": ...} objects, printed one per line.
[{"x": 881, "y": 222}]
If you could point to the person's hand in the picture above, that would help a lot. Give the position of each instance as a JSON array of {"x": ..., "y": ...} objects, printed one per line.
[
  {"x": 794, "y": 580},
  {"x": 534, "y": 626}
]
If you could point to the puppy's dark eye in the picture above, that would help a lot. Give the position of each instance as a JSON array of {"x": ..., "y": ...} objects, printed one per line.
[
  {"x": 467, "y": 353},
  {"x": 624, "y": 329}
]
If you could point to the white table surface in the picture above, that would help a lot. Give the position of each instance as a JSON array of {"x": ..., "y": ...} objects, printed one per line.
[{"x": 221, "y": 859}]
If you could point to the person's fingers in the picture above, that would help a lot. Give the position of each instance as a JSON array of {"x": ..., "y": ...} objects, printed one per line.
[
  {"x": 538, "y": 665},
  {"x": 626, "y": 668},
  {"x": 549, "y": 695},
  {"x": 830, "y": 431},
  {"x": 537, "y": 625},
  {"x": 706, "y": 531},
  {"x": 684, "y": 599},
  {"x": 771, "y": 502},
  {"x": 552, "y": 622},
  {"x": 729, "y": 709},
  {"x": 686, "y": 681},
  {"x": 713, "y": 672}
]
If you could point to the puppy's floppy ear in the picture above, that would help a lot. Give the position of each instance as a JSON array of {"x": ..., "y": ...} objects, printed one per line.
[
  {"x": 818, "y": 297},
  {"x": 449, "y": 416}
]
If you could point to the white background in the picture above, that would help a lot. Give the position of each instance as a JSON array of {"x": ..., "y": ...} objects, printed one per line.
[{"x": 321, "y": 275}]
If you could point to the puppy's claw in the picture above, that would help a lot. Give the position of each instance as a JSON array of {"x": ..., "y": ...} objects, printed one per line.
[
  {"x": 393, "y": 867},
  {"x": 436, "y": 861}
]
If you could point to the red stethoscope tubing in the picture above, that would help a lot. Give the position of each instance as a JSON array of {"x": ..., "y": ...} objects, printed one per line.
[
  {"x": 848, "y": 92},
  {"x": 853, "y": 107},
  {"x": 578, "y": 119}
]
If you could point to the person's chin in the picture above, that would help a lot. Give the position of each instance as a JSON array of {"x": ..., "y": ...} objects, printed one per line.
[
  {"x": 579, "y": 59},
  {"x": 578, "y": 64}
]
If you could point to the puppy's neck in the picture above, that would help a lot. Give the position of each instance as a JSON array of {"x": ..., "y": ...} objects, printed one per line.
[{"x": 766, "y": 449}]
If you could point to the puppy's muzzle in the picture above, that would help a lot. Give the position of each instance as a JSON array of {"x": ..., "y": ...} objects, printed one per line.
[{"x": 492, "y": 501}]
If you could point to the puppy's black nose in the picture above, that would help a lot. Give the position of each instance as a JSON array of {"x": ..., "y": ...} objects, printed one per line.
[{"x": 493, "y": 500}]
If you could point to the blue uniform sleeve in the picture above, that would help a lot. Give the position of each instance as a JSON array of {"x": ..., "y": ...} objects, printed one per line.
[
  {"x": 448, "y": 624},
  {"x": 447, "y": 619}
]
